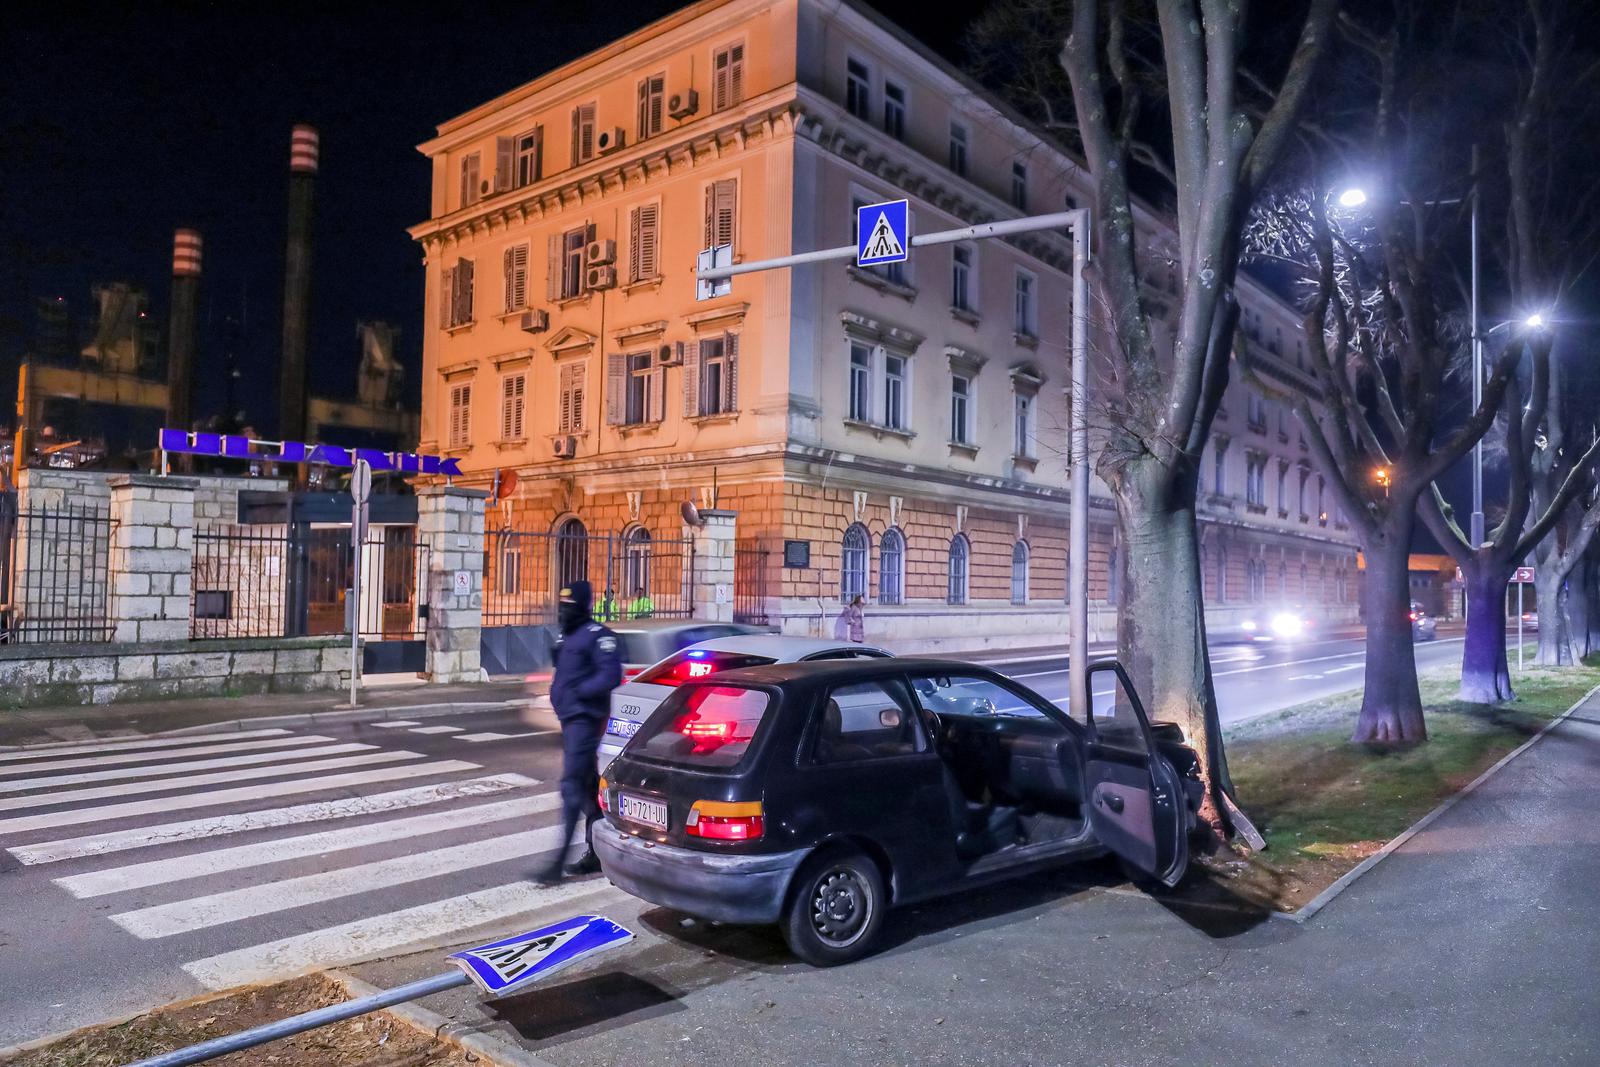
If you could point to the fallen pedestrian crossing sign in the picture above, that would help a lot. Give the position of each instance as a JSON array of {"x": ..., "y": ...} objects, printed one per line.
[
  {"x": 883, "y": 233},
  {"x": 504, "y": 966}
]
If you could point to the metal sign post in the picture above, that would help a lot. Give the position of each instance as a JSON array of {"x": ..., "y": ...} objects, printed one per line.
[
  {"x": 1523, "y": 576},
  {"x": 361, "y": 495},
  {"x": 879, "y": 228}
]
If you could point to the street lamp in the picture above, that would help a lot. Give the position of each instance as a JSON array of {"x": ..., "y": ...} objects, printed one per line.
[
  {"x": 1352, "y": 198},
  {"x": 1382, "y": 475}
]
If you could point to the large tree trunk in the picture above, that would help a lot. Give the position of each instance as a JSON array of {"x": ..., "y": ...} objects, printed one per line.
[
  {"x": 1485, "y": 676},
  {"x": 1555, "y": 634},
  {"x": 1391, "y": 706},
  {"x": 1580, "y": 607}
]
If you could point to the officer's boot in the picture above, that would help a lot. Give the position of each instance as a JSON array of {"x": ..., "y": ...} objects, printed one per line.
[
  {"x": 588, "y": 863},
  {"x": 555, "y": 873}
]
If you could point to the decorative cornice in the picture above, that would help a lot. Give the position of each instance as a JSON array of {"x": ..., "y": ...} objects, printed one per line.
[
  {"x": 569, "y": 339},
  {"x": 643, "y": 331}
]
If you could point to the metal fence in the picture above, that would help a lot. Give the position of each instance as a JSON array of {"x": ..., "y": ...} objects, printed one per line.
[
  {"x": 634, "y": 575},
  {"x": 239, "y": 582},
  {"x": 55, "y": 572},
  {"x": 752, "y": 563}
]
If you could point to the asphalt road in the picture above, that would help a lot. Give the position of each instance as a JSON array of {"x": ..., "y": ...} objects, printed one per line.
[{"x": 141, "y": 871}]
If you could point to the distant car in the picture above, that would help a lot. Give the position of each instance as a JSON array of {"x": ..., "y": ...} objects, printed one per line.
[
  {"x": 817, "y": 795},
  {"x": 643, "y": 642},
  {"x": 1277, "y": 624},
  {"x": 1530, "y": 621},
  {"x": 634, "y": 700},
  {"x": 1424, "y": 627}
]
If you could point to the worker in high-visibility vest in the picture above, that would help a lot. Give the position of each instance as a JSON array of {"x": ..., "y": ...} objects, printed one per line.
[{"x": 642, "y": 607}]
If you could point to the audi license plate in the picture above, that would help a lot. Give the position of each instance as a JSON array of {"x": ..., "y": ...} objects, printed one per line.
[
  {"x": 649, "y": 812},
  {"x": 622, "y": 727}
]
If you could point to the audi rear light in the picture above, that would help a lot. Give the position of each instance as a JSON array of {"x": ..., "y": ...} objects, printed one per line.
[
  {"x": 603, "y": 805},
  {"x": 1413, "y": 616},
  {"x": 716, "y": 820}
]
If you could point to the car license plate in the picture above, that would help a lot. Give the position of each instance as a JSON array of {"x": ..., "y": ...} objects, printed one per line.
[
  {"x": 649, "y": 812},
  {"x": 622, "y": 727}
]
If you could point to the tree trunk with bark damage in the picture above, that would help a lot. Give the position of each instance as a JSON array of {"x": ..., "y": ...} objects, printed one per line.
[{"x": 1485, "y": 674}]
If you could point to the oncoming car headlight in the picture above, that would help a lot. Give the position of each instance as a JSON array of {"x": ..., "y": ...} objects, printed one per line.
[
  {"x": 1249, "y": 626},
  {"x": 1287, "y": 624}
]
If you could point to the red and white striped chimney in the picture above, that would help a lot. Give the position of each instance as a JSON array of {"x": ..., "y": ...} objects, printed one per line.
[
  {"x": 303, "y": 147},
  {"x": 186, "y": 247}
]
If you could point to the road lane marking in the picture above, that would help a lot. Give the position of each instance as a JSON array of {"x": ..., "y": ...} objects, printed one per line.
[
  {"x": 393, "y": 724},
  {"x": 215, "y": 909},
  {"x": 1303, "y": 677},
  {"x": 435, "y": 730},
  {"x": 233, "y": 774},
  {"x": 382, "y": 934},
  {"x": 166, "y": 754},
  {"x": 267, "y": 818},
  {"x": 74, "y": 747},
  {"x": 107, "y": 812},
  {"x": 490, "y": 735},
  {"x": 21, "y": 785},
  {"x": 260, "y": 853}
]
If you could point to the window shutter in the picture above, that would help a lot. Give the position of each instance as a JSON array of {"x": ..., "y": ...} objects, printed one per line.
[
  {"x": 711, "y": 215},
  {"x": 719, "y": 81},
  {"x": 588, "y": 131},
  {"x": 691, "y": 381},
  {"x": 506, "y": 392},
  {"x": 564, "y": 414},
  {"x": 577, "y": 134},
  {"x": 730, "y": 375},
  {"x": 616, "y": 390},
  {"x": 509, "y": 265},
  {"x": 656, "y": 395},
  {"x": 520, "y": 265},
  {"x": 578, "y": 370},
  {"x": 633, "y": 245},
  {"x": 726, "y": 192},
  {"x": 552, "y": 277},
  {"x": 505, "y": 160},
  {"x": 658, "y": 92},
  {"x": 735, "y": 74},
  {"x": 447, "y": 288},
  {"x": 464, "y": 272},
  {"x": 649, "y": 238}
]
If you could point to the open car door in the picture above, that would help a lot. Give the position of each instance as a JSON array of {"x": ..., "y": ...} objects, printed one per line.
[{"x": 1132, "y": 794}]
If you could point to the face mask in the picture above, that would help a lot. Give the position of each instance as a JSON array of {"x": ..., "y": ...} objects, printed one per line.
[{"x": 571, "y": 616}]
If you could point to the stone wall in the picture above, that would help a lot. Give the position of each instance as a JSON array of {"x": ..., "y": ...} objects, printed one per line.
[{"x": 78, "y": 674}]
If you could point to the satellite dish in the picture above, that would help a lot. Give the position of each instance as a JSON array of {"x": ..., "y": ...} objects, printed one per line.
[
  {"x": 691, "y": 514},
  {"x": 507, "y": 485}
]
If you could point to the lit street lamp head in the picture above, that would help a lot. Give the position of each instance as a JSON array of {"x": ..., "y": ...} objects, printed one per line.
[
  {"x": 1352, "y": 198},
  {"x": 1536, "y": 321}
]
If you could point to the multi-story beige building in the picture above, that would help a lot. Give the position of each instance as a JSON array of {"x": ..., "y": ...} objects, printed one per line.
[{"x": 906, "y": 423}]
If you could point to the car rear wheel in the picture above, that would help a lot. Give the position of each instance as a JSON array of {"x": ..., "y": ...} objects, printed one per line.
[{"x": 836, "y": 909}]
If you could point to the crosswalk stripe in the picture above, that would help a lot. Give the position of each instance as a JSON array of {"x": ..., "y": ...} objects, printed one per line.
[
  {"x": 164, "y": 920},
  {"x": 393, "y": 724},
  {"x": 108, "y": 812},
  {"x": 435, "y": 730},
  {"x": 240, "y": 857},
  {"x": 69, "y": 747},
  {"x": 490, "y": 735},
  {"x": 381, "y": 934},
  {"x": 182, "y": 781},
  {"x": 166, "y": 754},
  {"x": 265, "y": 819},
  {"x": 23, "y": 784}
]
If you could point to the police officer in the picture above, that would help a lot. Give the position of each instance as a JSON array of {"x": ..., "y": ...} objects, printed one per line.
[{"x": 588, "y": 667}]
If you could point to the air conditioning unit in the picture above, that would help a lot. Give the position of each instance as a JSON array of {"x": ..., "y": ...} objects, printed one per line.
[
  {"x": 566, "y": 447},
  {"x": 597, "y": 253},
  {"x": 600, "y": 278},
  {"x": 670, "y": 355},
  {"x": 610, "y": 140},
  {"x": 536, "y": 320},
  {"x": 682, "y": 105}
]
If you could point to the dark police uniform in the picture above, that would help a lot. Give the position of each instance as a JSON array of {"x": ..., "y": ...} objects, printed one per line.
[{"x": 588, "y": 668}]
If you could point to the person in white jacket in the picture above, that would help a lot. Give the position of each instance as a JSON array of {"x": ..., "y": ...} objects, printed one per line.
[{"x": 852, "y": 623}]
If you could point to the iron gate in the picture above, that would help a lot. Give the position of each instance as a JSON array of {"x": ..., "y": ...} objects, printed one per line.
[{"x": 752, "y": 564}]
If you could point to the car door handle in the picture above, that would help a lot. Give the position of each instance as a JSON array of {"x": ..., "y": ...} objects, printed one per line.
[{"x": 1112, "y": 801}]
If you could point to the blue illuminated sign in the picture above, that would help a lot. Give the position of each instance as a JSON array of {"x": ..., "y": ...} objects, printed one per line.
[{"x": 234, "y": 447}]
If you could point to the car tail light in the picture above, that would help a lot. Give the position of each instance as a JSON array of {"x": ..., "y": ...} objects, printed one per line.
[
  {"x": 603, "y": 806},
  {"x": 719, "y": 731},
  {"x": 1413, "y": 616},
  {"x": 718, "y": 820}
]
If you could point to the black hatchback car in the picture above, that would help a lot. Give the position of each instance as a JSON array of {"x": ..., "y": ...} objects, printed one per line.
[{"x": 817, "y": 795}]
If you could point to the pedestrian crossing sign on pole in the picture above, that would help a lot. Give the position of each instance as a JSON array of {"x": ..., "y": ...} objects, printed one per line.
[
  {"x": 501, "y": 966},
  {"x": 883, "y": 233}
]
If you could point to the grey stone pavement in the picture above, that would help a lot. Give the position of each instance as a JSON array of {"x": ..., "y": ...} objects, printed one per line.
[{"x": 1476, "y": 942}]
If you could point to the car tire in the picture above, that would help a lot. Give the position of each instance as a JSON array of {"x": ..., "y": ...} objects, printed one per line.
[{"x": 836, "y": 908}]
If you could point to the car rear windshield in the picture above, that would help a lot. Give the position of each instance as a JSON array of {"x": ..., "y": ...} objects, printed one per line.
[
  {"x": 694, "y": 663},
  {"x": 711, "y": 730}
]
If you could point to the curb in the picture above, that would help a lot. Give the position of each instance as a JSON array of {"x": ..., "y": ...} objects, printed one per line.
[
  {"x": 1308, "y": 910},
  {"x": 495, "y": 1050}
]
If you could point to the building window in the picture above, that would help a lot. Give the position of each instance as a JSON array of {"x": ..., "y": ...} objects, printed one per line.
[
  {"x": 455, "y": 295},
  {"x": 1222, "y": 575},
  {"x": 892, "y": 568},
  {"x": 471, "y": 168},
  {"x": 570, "y": 418},
  {"x": 460, "y": 435},
  {"x": 1019, "y": 185},
  {"x": 530, "y": 157},
  {"x": 711, "y": 382},
  {"x": 960, "y": 409},
  {"x": 640, "y": 393},
  {"x": 858, "y": 89},
  {"x": 572, "y": 552},
  {"x": 853, "y": 564},
  {"x": 727, "y": 77},
  {"x": 958, "y": 149},
  {"x": 1219, "y": 459},
  {"x": 636, "y": 573},
  {"x": 513, "y": 395},
  {"x": 572, "y": 245},
  {"x": 1305, "y": 476},
  {"x": 860, "y": 382},
  {"x": 652, "y": 91},
  {"x": 1022, "y": 426},
  {"x": 1026, "y": 320},
  {"x": 894, "y": 392},
  {"x": 1113, "y": 575},
  {"x": 721, "y": 212},
  {"x": 509, "y": 559},
  {"x": 1283, "y": 578},
  {"x": 644, "y": 238},
  {"x": 961, "y": 278},
  {"x": 1255, "y": 482},
  {"x": 516, "y": 277},
  {"x": 1019, "y": 573},
  {"x": 1255, "y": 407},
  {"x": 582, "y": 134},
  {"x": 956, "y": 590},
  {"x": 1322, "y": 504},
  {"x": 894, "y": 110}
]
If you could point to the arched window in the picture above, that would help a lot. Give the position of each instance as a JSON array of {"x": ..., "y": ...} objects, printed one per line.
[
  {"x": 1113, "y": 575},
  {"x": 572, "y": 552},
  {"x": 892, "y": 568},
  {"x": 853, "y": 564},
  {"x": 636, "y": 564},
  {"x": 959, "y": 550},
  {"x": 1019, "y": 573},
  {"x": 508, "y": 559}
]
